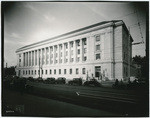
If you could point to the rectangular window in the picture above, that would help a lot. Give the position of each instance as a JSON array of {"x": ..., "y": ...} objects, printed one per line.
[
  {"x": 78, "y": 59},
  {"x": 77, "y": 71},
  {"x": 66, "y": 46},
  {"x": 66, "y": 60},
  {"x": 78, "y": 51},
  {"x": 78, "y": 43},
  {"x": 83, "y": 70},
  {"x": 71, "y": 52},
  {"x": 29, "y": 72},
  {"x": 50, "y": 71},
  {"x": 61, "y": 54},
  {"x": 66, "y": 53},
  {"x": 32, "y": 72},
  {"x": 98, "y": 38},
  {"x": 97, "y": 71},
  {"x": 85, "y": 50},
  {"x": 65, "y": 71},
  {"x": 59, "y": 71},
  {"x": 46, "y": 72},
  {"x": 26, "y": 72},
  {"x": 60, "y": 60},
  {"x": 56, "y": 54},
  {"x": 70, "y": 71},
  {"x": 84, "y": 41},
  {"x": 23, "y": 72},
  {"x": 97, "y": 56},
  {"x": 42, "y": 71},
  {"x": 35, "y": 72},
  {"x": 71, "y": 44},
  {"x": 85, "y": 58},
  {"x": 97, "y": 47},
  {"x": 55, "y": 71},
  {"x": 38, "y": 71},
  {"x": 71, "y": 59}
]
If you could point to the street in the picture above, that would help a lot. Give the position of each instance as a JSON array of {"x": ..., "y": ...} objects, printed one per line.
[{"x": 44, "y": 100}]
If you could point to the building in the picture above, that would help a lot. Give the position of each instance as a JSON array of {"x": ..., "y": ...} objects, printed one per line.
[{"x": 102, "y": 50}]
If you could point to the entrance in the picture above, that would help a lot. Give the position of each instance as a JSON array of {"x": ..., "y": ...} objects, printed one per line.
[{"x": 98, "y": 72}]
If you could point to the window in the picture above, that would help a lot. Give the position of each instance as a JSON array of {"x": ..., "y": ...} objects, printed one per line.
[
  {"x": 97, "y": 71},
  {"x": 66, "y": 60},
  {"x": 97, "y": 38},
  {"x": 23, "y": 72},
  {"x": 56, "y": 54},
  {"x": 50, "y": 71},
  {"x": 85, "y": 58},
  {"x": 83, "y": 70},
  {"x": 60, "y": 60},
  {"x": 78, "y": 51},
  {"x": 56, "y": 61},
  {"x": 59, "y": 71},
  {"x": 66, "y": 53},
  {"x": 29, "y": 72},
  {"x": 71, "y": 44},
  {"x": 78, "y": 43},
  {"x": 32, "y": 72},
  {"x": 66, "y": 46},
  {"x": 97, "y": 47},
  {"x": 60, "y": 47},
  {"x": 85, "y": 50},
  {"x": 35, "y": 72},
  {"x": 61, "y": 54},
  {"x": 46, "y": 72},
  {"x": 55, "y": 71},
  {"x": 51, "y": 55},
  {"x": 78, "y": 59},
  {"x": 26, "y": 72},
  {"x": 71, "y": 59},
  {"x": 70, "y": 71},
  {"x": 77, "y": 71},
  {"x": 42, "y": 71},
  {"x": 38, "y": 71},
  {"x": 65, "y": 71},
  {"x": 97, "y": 56},
  {"x": 71, "y": 52},
  {"x": 19, "y": 60},
  {"x": 84, "y": 41}
]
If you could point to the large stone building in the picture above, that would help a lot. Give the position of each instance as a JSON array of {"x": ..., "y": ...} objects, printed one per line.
[{"x": 102, "y": 50}]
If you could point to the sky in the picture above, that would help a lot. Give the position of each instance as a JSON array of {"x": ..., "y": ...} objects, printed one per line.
[{"x": 29, "y": 22}]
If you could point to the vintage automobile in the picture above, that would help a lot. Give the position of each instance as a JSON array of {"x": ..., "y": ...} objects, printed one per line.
[
  {"x": 50, "y": 80},
  {"x": 92, "y": 82},
  {"x": 61, "y": 80},
  {"x": 75, "y": 81}
]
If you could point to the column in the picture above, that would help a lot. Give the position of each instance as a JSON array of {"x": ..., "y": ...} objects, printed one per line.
[
  {"x": 69, "y": 52},
  {"x": 63, "y": 52},
  {"x": 58, "y": 53},
  {"x": 31, "y": 58},
  {"x": 81, "y": 50},
  {"x": 49, "y": 54},
  {"x": 75, "y": 50},
  {"x": 54, "y": 54}
]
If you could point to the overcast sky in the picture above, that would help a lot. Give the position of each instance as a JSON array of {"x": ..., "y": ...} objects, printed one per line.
[{"x": 29, "y": 22}]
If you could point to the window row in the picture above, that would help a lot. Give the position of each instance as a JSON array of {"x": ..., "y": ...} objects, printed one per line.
[{"x": 54, "y": 71}]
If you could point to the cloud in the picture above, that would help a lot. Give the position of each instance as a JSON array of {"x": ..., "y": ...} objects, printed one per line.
[
  {"x": 49, "y": 18},
  {"x": 29, "y": 6},
  {"x": 14, "y": 35}
]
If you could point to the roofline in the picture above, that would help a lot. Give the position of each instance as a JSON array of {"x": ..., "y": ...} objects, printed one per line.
[{"x": 72, "y": 32}]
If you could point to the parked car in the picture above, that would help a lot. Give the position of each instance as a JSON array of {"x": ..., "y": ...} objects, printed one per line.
[
  {"x": 50, "y": 80},
  {"x": 39, "y": 79},
  {"x": 92, "y": 82},
  {"x": 61, "y": 80},
  {"x": 75, "y": 81},
  {"x": 30, "y": 79}
]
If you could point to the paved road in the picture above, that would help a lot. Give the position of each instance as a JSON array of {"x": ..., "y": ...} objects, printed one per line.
[
  {"x": 125, "y": 102},
  {"x": 121, "y": 102},
  {"x": 31, "y": 105}
]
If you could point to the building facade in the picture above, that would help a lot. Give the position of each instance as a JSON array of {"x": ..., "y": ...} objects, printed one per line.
[{"x": 102, "y": 51}]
